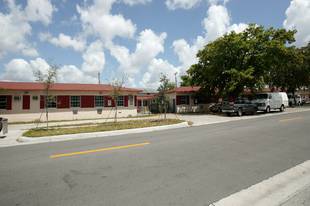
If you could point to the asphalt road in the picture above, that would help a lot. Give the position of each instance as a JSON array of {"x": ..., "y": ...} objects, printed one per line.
[{"x": 189, "y": 166}]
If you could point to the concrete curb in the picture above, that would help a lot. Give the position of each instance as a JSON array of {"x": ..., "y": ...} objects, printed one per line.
[
  {"x": 98, "y": 134},
  {"x": 272, "y": 192}
]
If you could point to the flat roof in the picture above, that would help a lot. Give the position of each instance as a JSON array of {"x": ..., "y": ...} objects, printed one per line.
[{"x": 38, "y": 86}]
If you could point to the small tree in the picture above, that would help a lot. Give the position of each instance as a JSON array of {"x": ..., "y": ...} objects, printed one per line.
[
  {"x": 117, "y": 85},
  {"x": 164, "y": 87},
  {"x": 47, "y": 79}
]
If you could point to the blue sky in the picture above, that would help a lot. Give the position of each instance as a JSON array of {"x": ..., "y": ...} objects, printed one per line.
[{"x": 139, "y": 39}]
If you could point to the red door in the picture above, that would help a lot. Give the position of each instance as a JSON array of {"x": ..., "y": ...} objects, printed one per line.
[
  {"x": 26, "y": 102},
  {"x": 63, "y": 102}
]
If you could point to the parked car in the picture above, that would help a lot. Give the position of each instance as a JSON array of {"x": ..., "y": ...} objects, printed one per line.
[
  {"x": 239, "y": 107},
  {"x": 215, "y": 107},
  {"x": 295, "y": 101},
  {"x": 271, "y": 101}
]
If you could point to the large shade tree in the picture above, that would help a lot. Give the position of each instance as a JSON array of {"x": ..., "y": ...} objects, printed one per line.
[{"x": 250, "y": 59}]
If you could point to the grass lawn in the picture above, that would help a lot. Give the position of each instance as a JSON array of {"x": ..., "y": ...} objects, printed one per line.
[{"x": 101, "y": 127}]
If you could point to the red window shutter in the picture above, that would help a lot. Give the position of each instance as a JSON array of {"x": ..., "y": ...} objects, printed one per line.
[
  {"x": 26, "y": 102},
  {"x": 126, "y": 101},
  {"x": 63, "y": 102},
  {"x": 139, "y": 103},
  {"x": 106, "y": 99},
  {"x": 9, "y": 102},
  {"x": 42, "y": 102},
  {"x": 135, "y": 100},
  {"x": 178, "y": 100},
  {"x": 87, "y": 101},
  {"x": 113, "y": 102}
]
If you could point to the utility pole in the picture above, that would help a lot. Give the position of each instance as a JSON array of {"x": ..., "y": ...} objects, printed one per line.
[
  {"x": 175, "y": 78},
  {"x": 98, "y": 77}
]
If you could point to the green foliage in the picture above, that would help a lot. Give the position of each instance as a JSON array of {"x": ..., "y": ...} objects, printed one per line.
[
  {"x": 249, "y": 60},
  {"x": 163, "y": 88}
]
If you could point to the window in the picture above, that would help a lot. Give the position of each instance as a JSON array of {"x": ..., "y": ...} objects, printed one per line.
[
  {"x": 120, "y": 101},
  {"x": 75, "y": 101},
  {"x": 3, "y": 102},
  {"x": 35, "y": 98},
  {"x": 99, "y": 102},
  {"x": 184, "y": 99},
  {"x": 17, "y": 98},
  {"x": 51, "y": 102}
]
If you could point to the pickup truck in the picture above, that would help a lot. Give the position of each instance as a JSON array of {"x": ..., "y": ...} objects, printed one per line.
[{"x": 239, "y": 107}]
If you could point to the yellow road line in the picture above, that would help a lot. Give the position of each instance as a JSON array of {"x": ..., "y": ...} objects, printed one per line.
[
  {"x": 290, "y": 119},
  {"x": 99, "y": 150}
]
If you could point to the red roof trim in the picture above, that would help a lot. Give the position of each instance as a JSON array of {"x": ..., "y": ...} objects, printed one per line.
[
  {"x": 188, "y": 89},
  {"x": 37, "y": 86}
]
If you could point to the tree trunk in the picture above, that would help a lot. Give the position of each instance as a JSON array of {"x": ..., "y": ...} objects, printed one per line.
[
  {"x": 46, "y": 108},
  {"x": 115, "y": 116},
  {"x": 165, "y": 109}
]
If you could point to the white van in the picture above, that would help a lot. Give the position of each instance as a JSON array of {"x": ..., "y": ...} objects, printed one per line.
[{"x": 271, "y": 101}]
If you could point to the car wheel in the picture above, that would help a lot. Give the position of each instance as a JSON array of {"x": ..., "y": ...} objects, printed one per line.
[
  {"x": 254, "y": 112},
  {"x": 282, "y": 108},
  {"x": 228, "y": 114},
  {"x": 267, "y": 109},
  {"x": 239, "y": 112}
]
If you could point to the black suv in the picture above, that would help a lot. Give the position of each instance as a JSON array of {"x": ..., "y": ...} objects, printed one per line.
[{"x": 240, "y": 106}]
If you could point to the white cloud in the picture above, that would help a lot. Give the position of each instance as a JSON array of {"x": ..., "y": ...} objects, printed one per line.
[
  {"x": 215, "y": 24},
  {"x": 39, "y": 10},
  {"x": 298, "y": 17},
  {"x": 15, "y": 26},
  {"x": 14, "y": 32},
  {"x": 97, "y": 20},
  {"x": 149, "y": 45},
  {"x": 218, "y": 22},
  {"x": 22, "y": 70},
  {"x": 134, "y": 2},
  {"x": 181, "y": 4},
  {"x": 64, "y": 41},
  {"x": 94, "y": 59},
  {"x": 72, "y": 74},
  {"x": 187, "y": 53},
  {"x": 157, "y": 67}
]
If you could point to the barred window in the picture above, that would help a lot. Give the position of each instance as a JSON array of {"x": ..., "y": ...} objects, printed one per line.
[
  {"x": 99, "y": 102},
  {"x": 120, "y": 101},
  {"x": 2, "y": 102},
  {"x": 184, "y": 99},
  {"x": 51, "y": 102},
  {"x": 75, "y": 101}
]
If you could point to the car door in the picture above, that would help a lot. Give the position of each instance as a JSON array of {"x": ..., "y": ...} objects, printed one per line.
[{"x": 272, "y": 101}]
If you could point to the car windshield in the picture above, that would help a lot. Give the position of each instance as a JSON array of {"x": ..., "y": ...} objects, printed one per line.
[
  {"x": 241, "y": 101},
  {"x": 261, "y": 96}
]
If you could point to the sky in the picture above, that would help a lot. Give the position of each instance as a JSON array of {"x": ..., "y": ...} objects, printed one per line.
[{"x": 135, "y": 39}]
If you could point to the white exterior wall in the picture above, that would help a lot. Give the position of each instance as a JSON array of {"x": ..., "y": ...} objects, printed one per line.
[
  {"x": 34, "y": 113},
  {"x": 192, "y": 107}
]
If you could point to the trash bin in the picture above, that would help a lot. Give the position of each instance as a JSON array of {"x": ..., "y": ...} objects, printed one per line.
[{"x": 3, "y": 126}]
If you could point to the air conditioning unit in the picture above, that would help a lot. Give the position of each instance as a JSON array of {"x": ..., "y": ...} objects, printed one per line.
[
  {"x": 99, "y": 111},
  {"x": 17, "y": 98},
  {"x": 75, "y": 111}
]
